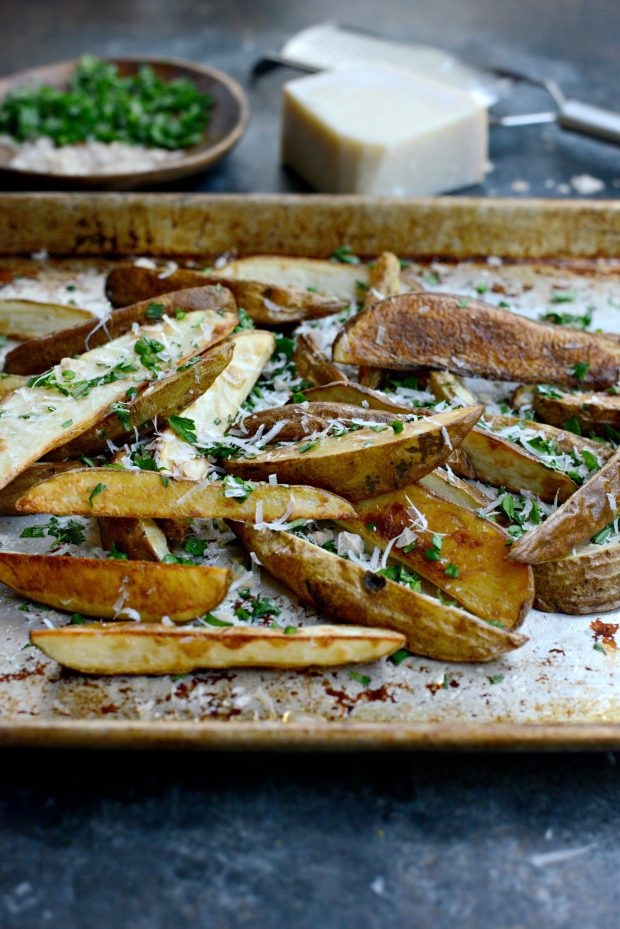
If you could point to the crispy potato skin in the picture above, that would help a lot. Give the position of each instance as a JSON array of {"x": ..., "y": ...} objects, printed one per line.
[
  {"x": 365, "y": 463},
  {"x": 95, "y": 587},
  {"x": 588, "y": 582},
  {"x": 166, "y": 397},
  {"x": 312, "y": 364},
  {"x": 593, "y": 411},
  {"x": 486, "y": 584},
  {"x": 268, "y": 305},
  {"x": 139, "y": 539},
  {"x": 433, "y": 330},
  {"x": 302, "y": 420},
  {"x": 123, "y": 648},
  {"x": 384, "y": 281},
  {"x": 339, "y": 588},
  {"x": 579, "y": 518},
  {"x": 143, "y": 495},
  {"x": 38, "y": 355}
]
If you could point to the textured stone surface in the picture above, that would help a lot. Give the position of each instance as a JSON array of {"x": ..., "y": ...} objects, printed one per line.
[{"x": 278, "y": 842}]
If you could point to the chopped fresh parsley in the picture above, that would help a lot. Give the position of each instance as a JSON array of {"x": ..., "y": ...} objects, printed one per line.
[
  {"x": 237, "y": 488},
  {"x": 95, "y": 492},
  {"x": 451, "y": 570},
  {"x": 398, "y": 657},
  {"x": 308, "y": 446},
  {"x": 563, "y": 296},
  {"x": 495, "y": 678},
  {"x": 285, "y": 346},
  {"x": 122, "y": 411},
  {"x": 155, "y": 311},
  {"x": 70, "y": 387},
  {"x": 212, "y": 620},
  {"x": 77, "y": 620},
  {"x": 148, "y": 350},
  {"x": 362, "y": 679},
  {"x": 580, "y": 369},
  {"x": 194, "y": 546},
  {"x": 603, "y": 536},
  {"x": 184, "y": 427},
  {"x": 570, "y": 319},
  {"x": 345, "y": 255},
  {"x": 72, "y": 533},
  {"x": 397, "y": 425},
  {"x": 401, "y": 575},
  {"x": 245, "y": 321}
]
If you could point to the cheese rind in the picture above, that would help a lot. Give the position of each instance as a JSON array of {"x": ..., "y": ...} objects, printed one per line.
[{"x": 376, "y": 130}]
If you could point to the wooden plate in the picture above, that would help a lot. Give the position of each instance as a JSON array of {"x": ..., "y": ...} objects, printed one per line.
[{"x": 227, "y": 124}]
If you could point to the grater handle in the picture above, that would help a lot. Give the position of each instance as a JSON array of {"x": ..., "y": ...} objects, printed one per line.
[{"x": 591, "y": 120}]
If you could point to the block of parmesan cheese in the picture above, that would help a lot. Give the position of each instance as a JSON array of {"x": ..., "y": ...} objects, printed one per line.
[{"x": 382, "y": 131}]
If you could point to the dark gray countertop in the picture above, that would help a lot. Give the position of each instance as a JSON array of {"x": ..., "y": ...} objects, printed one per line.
[{"x": 285, "y": 842}]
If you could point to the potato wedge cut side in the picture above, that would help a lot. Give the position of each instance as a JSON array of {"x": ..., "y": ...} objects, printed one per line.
[
  {"x": 124, "y": 648},
  {"x": 164, "y": 398},
  {"x": 267, "y": 304},
  {"x": 213, "y": 412},
  {"x": 591, "y": 508},
  {"x": 60, "y": 405},
  {"x": 39, "y": 355},
  {"x": 504, "y": 464},
  {"x": 586, "y": 582},
  {"x": 138, "y": 539},
  {"x": 342, "y": 589},
  {"x": 29, "y": 319},
  {"x": 437, "y": 331},
  {"x": 470, "y": 562},
  {"x": 365, "y": 463},
  {"x": 595, "y": 412},
  {"x": 111, "y": 589},
  {"x": 143, "y": 494},
  {"x": 447, "y": 387},
  {"x": 312, "y": 364},
  {"x": 10, "y": 383}
]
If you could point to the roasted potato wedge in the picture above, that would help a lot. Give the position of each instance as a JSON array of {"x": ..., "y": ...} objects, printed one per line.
[
  {"x": 28, "y": 319},
  {"x": 36, "y": 473},
  {"x": 470, "y": 562},
  {"x": 564, "y": 440},
  {"x": 39, "y": 355},
  {"x": 267, "y": 304},
  {"x": 60, "y": 405},
  {"x": 325, "y": 277},
  {"x": 384, "y": 281},
  {"x": 136, "y": 589},
  {"x": 302, "y": 419},
  {"x": 446, "y": 485},
  {"x": 162, "y": 399},
  {"x": 312, "y": 364},
  {"x": 139, "y": 539},
  {"x": 349, "y": 592},
  {"x": 365, "y": 463},
  {"x": 585, "y": 582},
  {"x": 129, "y": 648},
  {"x": 447, "y": 387},
  {"x": 215, "y": 409},
  {"x": 438, "y": 331},
  {"x": 502, "y": 463},
  {"x": 591, "y": 508},
  {"x": 595, "y": 412},
  {"x": 143, "y": 495}
]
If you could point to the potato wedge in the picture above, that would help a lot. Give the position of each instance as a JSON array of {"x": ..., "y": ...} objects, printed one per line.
[
  {"x": 139, "y": 539},
  {"x": 586, "y": 582},
  {"x": 302, "y": 419},
  {"x": 591, "y": 508},
  {"x": 325, "y": 277},
  {"x": 38, "y": 355},
  {"x": 136, "y": 589},
  {"x": 349, "y": 592},
  {"x": 446, "y": 485},
  {"x": 564, "y": 440},
  {"x": 470, "y": 563},
  {"x": 436, "y": 330},
  {"x": 595, "y": 412},
  {"x": 71, "y": 398},
  {"x": 35, "y": 474},
  {"x": 213, "y": 412},
  {"x": 365, "y": 463},
  {"x": 502, "y": 463},
  {"x": 129, "y": 648},
  {"x": 142, "y": 494},
  {"x": 312, "y": 364},
  {"x": 28, "y": 319},
  {"x": 267, "y": 304},
  {"x": 450, "y": 388},
  {"x": 384, "y": 281},
  {"x": 162, "y": 399}
]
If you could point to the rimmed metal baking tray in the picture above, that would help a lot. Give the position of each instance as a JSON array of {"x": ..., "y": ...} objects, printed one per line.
[{"x": 559, "y": 695}]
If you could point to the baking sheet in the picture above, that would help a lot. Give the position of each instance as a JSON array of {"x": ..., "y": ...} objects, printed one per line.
[{"x": 557, "y": 691}]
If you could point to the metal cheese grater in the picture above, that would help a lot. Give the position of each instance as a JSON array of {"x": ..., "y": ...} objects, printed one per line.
[{"x": 330, "y": 45}]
